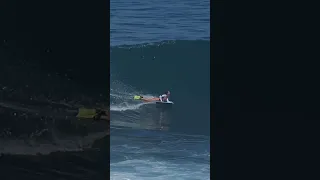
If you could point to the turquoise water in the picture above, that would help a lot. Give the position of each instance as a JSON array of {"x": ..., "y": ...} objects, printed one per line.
[{"x": 159, "y": 46}]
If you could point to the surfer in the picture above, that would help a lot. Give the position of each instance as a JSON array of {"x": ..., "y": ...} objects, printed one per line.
[{"x": 165, "y": 97}]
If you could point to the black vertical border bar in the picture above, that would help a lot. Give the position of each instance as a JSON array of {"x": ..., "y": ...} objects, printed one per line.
[
  {"x": 216, "y": 88},
  {"x": 261, "y": 63}
]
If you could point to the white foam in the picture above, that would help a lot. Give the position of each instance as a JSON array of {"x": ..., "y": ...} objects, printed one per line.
[
  {"x": 174, "y": 158},
  {"x": 149, "y": 168},
  {"x": 122, "y": 97},
  {"x": 127, "y": 106}
]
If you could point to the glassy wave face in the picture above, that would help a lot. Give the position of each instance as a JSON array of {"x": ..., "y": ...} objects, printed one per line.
[{"x": 151, "y": 69}]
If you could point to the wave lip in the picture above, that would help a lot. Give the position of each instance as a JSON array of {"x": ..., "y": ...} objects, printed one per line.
[{"x": 127, "y": 106}]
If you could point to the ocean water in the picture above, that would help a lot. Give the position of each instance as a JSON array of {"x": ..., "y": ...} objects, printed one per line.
[{"x": 158, "y": 46}]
